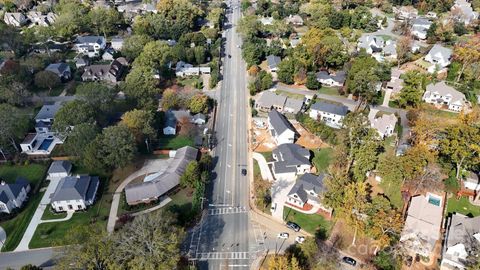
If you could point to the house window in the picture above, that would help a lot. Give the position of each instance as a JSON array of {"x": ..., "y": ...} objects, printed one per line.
[{"x": 70, "y": 207}]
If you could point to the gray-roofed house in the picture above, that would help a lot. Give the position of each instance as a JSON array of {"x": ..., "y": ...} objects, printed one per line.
[
  {"x": 460, "y": 236},
  {"x": 272, "y": 62},
  {"x": 75, "y": 193},
  {"x": 62, "y": 70},
  {"x": 108, "y": 73},
  {"x": 423, "y": 224},
  {"x": 293, "y": 105},
  {"x": 439, "y": 57},
  {"x": 147, "y": 192},
  {"x": 337, "y": 79},
  {"x": 280, "y": 128},
  {"x": 90, "y": 45},
  {"x": 307, "y": 190},
  {"x": 330, "y": 113},
  {"x": 385, "y": 125},
  {"x": 44, "y": 118},
  {"x": 13, "y": 195},
  {"x": 291, "y": 160},
  {"x": 59, "y": 169},
  {"x": 441, "y": 94},
  {"x": 268, "y": 100}
]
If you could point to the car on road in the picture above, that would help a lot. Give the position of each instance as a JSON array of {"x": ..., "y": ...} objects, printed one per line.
[
  {"x": 244, "y": 172},
  {"x": 294, "y": 226},
  {"x": 300, "y": 239},
  {"x": 349, "y": 261},
  {"x": 283, "y": 235}
]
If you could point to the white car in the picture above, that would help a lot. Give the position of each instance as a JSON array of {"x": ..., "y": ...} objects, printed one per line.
[
  {"x": 283, "y": 235},
  {"x": 299, "y": 239}
]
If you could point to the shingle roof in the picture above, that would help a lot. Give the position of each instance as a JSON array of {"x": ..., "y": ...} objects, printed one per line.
[
  {"x": 330, "y": 108},
  {"x": 48, "y": 111},
  {"x": 73, "y": 188},
  {"x": 279, "y": 122},
  {"x": 60, "y": 166}
]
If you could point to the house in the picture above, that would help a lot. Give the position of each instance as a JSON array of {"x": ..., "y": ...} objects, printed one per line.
[
  {"x": 272, "y": 62},
  {"x": 90, "y": 45},
  {"x": 395, "y": 84},
  {"x": 330, "y": 113},
  {"x": 291, "y": 160},
  {"x": 385, "y": 125},
  {"x": 439, "y": 57},
  {"x": 108, "y": 73},
  {"x": 405, "y": 12},
  {"x": 293, "y": 105},
  {"x": 280, "y": 129},
  {"x": 183, "y": 69},
  {"x": 307, "y": 190},
  {"x": 199, "y": 119},
  {"x": 266, "y": 20},
  {"x": 44, "y": 117},
  {"x": 41, "y": 19},
  {"x": 462, "y": 11},
  {"x": 13, "y": 196},
  {"x": 337, "y": 79},
  {"x": 75, "y": 193},
  {"x": 441, "y": 94},
  {"x": 117, "y": 43},
  {"x": 109, "y": 54},
  {"x": 461, "y": 234},
  {"x": 423, "y": 224},
  {"x": 172, "y": 117},
  {"x": 269, "y": 100},
  {"x": 16, "y": 19},
  {"x": 420, "y": 27},
  {"x": 472, "y": 182},
  {"x": 161, "y": 182},
  {"x": 62, "y": 70},
  {"x": 59, "y": 169},
  {"x": 295, "y": 20}
]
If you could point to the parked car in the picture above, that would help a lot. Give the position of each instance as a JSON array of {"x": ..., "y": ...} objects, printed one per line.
[
  {"x": 283, "y": 235},
  {"x": 244, "y": 172},
  {"x": 349, "y": 261},
  {"x": 293, "y": 226},
  {"x": 300, "y": 239}
]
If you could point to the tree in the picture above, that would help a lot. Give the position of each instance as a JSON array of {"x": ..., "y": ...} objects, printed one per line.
[
  {"x": 140, "y": 123},
  {"x": 133, "y": 45},
  {"x": 78, "y": 139},
  {"x": 14, "y": 126},
  {"x": 103, "y": 20},
  {"x": 72, "y": 114},
  {"x": 114, "y": 148},
  {"x": 97, "y": 95},
  {"x": 199, "y": 103},
  {"x": 46, "y": 79},
  {"x": 141, "y": 85}
]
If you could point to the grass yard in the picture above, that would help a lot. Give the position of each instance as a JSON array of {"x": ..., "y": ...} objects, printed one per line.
[
  {"x": 48, "y": 214},
  {"x": 314, "y": 224},
  {"x": 15, "y": 228},
  {"x": 32, "y": 172},
  {"x": 332, "y": 91},
  {"x": 321, "y": 159},
  {"x": 174, "y": 142},
  {"x": 462, "y": 206}
]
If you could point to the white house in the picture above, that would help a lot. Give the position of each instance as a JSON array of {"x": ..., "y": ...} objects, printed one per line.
[
  {"x": 385, "y": 125},
  {"x": 335, "y": 80},
  {"x": 13, "y": 195},
  {"x": 59, "y": 169},
  {"x": 75, "y": 193},
  {"x": 460, "y": 235},
  {"x": 331, "y": 114},
  {"x": 280, "y": 129},
  {"x": 423, "y": 224},
  {"x": 16, "y": 19},
  {"x": 440, "y": 94},
  {"x": 462, "y": 11},
  {"x": 291, "y": 160},
  {"x": 307, "y": 190},
  {"x": 439, "y": 57},
  {"x": 90, "y": 45}
]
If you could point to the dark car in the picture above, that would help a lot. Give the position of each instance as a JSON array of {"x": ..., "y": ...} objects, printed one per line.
[
  {"x": 293, "y": 226},
  {"x": 349, "y": 260},
  {"x": 244, "y": 171}
]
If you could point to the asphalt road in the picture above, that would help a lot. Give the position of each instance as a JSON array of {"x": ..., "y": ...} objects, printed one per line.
[{"x": 222, "y": 239}]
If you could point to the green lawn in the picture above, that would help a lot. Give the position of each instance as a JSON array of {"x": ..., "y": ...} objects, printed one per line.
[
  {"x": 462, "y": 206},
  {"x": 15, "y": 228},
  {"x": 322, "y": 158},
  {"x": 332, "y": 91},
  {"x": 34, "y": 173},
  {"x": 174, "y": 142},
  {"x": 311, "y": 223},
  {"x": 48, "y": 214}
]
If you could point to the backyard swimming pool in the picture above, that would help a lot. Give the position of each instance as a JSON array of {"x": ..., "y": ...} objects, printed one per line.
[{"x": 45, "y": 144}]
